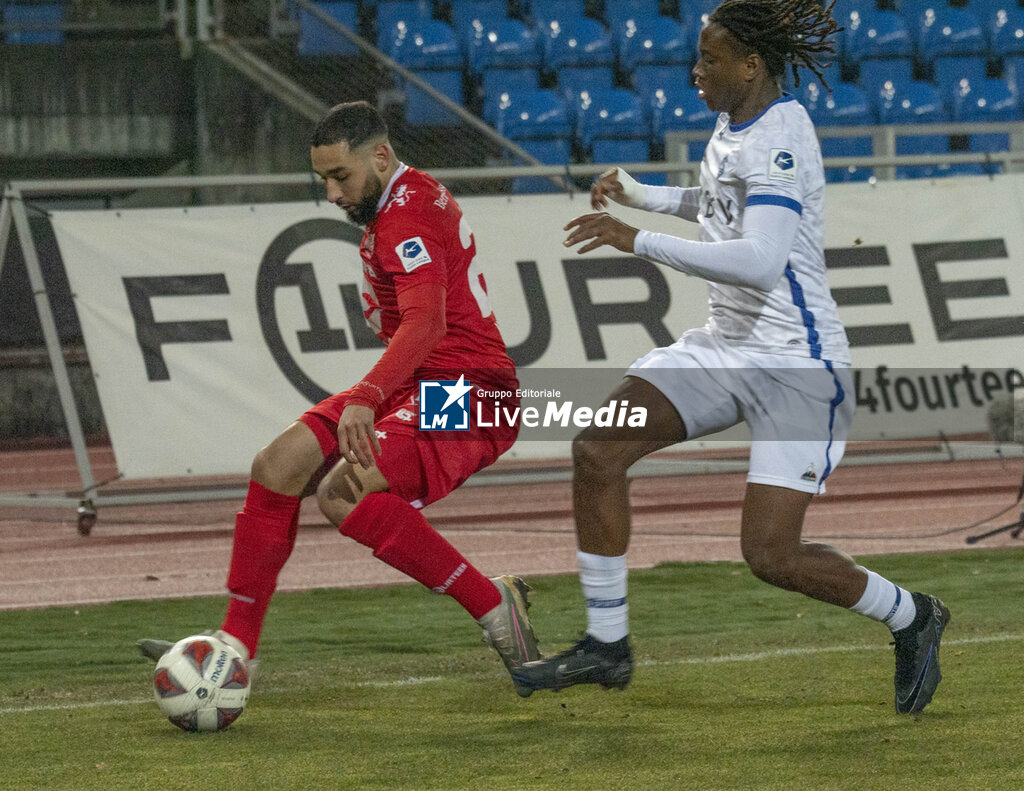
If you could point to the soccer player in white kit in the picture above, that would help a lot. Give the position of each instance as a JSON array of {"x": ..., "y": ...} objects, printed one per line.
[{"x": 773, "y": 353}]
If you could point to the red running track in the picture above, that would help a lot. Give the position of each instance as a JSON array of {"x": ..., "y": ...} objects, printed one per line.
[{"x": 182, "y": 549}]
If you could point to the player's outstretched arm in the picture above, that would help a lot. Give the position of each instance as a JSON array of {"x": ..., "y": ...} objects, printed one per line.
[
  {"x": 617, "y": 185},
  {"x": 755, "y": 260}
]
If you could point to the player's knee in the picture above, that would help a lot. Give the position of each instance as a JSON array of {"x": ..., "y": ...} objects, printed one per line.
[
  {"x": 274, "y": 468},
  {"x": 772, "y": 565},
  {"x": 592, "y": 457},
  {"x": 268, "y": 470}
]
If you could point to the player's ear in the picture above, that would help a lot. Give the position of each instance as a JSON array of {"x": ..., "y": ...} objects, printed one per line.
[
  {"x": 381, "y": 156},
  {"x": 753, "y": 64}
]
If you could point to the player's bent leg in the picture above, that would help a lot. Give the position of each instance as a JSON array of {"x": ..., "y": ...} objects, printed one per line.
[
  {"x": 602, "y": 455},
  {"x": 772, "y": 521},
  {"x": 265, "y": 529},
  {"x": 400, "y": 536},
  {"x": 374, "y": 507},
  {"x": 344, "y": 486},
  {"x": 773, "y": 518},
  {"x": 601, "y": 458}
]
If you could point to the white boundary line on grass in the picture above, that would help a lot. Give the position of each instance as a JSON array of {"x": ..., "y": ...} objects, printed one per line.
[{"x": 697, "y": 660}]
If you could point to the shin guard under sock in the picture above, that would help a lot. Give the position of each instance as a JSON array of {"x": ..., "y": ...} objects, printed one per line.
[
  {"x": 400, "y": 535},
  {"x": 265, "y": 531}
]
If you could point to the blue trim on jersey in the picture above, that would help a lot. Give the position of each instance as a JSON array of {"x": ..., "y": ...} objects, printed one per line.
[
  {"x": 786, "y": 97},
  {"x": 798, "y": 299},
  {"x": 840, "y": 396},
  {"x": 776, "y": 200}
]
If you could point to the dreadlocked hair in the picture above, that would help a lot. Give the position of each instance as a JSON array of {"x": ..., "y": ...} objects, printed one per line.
[{"x": 796, "y": 32}]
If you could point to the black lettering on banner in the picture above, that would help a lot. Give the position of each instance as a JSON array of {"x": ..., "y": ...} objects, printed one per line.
[
  {"x": 276, "y": 272},
  {"x": 152, "y": 334},
  {"x": 906, "y": 395},
  {"x": 868, "y": 334},
  {"x": 939, "y": 292},
  {"x": 538, "y": 338},
  {"x": 362, "y": 336},
  {"x": 880, "y": 390},
  {"x": 320, "y": 337},
  {"x": 990, "y": 384},
  {"x": 648, "y": 314}
]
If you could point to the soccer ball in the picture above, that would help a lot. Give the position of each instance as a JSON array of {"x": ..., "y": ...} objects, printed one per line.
[{"x": 201, "y": 684}]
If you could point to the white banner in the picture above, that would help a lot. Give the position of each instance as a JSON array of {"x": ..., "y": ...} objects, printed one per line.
[{"x": 210, "y": 330}]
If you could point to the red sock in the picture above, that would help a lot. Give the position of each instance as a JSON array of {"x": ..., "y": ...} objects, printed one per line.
[
  {"x": 265, "y": 532},
  {"x": 399, "y": 535}
]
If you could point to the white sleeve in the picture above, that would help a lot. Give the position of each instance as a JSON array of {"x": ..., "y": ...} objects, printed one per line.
[
  {"x": 664, "y": 200},
  {"x": 756, "y": 260},
  {"x": 680, "y": 201}
]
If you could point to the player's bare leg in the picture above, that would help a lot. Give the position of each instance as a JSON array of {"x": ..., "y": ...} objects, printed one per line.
[
  {"x": 773, "y": 519},
  {"x": 601, "y": 458}
]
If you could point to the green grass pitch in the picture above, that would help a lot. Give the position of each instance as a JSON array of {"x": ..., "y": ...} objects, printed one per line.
[{"x": 738, "y": 686}]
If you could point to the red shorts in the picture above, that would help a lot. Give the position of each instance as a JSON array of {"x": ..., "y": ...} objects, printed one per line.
[{"x": 419, "y": 466}]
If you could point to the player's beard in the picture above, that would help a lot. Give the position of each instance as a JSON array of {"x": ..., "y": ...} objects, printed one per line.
[{"x": 366, "y": 209}]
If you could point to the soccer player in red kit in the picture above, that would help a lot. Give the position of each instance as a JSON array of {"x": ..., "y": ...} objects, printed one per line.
[{"x": 360, "y": 451}]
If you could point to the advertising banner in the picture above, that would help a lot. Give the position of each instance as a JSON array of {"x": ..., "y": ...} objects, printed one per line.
[{"x": 210, "y": 330}]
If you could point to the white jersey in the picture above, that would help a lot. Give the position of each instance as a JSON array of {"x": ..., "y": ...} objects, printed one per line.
[{"x": 772, "y": 159}]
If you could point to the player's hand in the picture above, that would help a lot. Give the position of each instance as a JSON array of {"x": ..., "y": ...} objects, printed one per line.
[
  {"x": 599, "y": 229},
  {"x": 357, "y": 439},
  {"x": 606, "y": 186},
  {"x": 618, "y": 185}
]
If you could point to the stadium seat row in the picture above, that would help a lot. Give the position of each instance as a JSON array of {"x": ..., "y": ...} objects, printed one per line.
[
  {"x": 932, "y": 31},
  {"x": 923, "y": 27},
  {"x": 614, "y": 125},
  {"x": 481, "y": 36}
]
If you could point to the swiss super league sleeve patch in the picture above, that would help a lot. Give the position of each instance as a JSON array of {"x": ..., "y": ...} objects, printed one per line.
[
  {"x": 782, "y": 165},
  {"x": 412, "y": 253}
]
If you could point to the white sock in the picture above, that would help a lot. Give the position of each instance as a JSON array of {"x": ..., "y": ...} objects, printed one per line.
[
  {"x": 886, "y": 602},
  {"x": 604, "y": 587},
  {"x": 233, "y": 642}
]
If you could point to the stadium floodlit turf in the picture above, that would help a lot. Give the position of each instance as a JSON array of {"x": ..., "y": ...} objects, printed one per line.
[{"x": 738, "y": 686}]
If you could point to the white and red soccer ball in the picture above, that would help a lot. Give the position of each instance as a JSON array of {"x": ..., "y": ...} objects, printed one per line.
[{"x": 201, "y": 684}]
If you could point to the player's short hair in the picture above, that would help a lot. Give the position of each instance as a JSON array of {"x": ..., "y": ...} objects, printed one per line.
[
  {"x": 793, "y": 32},
  {"x": 354, "y": 123}
]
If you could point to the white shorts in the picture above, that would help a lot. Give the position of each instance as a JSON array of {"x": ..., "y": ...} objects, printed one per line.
[{"x": 798, "y": 409}]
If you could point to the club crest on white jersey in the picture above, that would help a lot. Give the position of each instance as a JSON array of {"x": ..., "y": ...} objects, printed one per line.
[{"x": 782, "y": 165}]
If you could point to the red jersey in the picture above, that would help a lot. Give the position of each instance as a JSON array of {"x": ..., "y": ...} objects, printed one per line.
[{"x": 420, "y": 236}]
